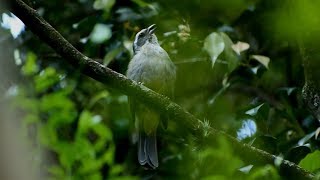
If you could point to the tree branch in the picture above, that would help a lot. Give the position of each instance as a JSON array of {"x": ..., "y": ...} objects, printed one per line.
[{"x": 119, "y": 82}]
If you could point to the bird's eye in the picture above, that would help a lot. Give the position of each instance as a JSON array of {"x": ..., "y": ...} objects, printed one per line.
[{"x": 140, "y": 35}]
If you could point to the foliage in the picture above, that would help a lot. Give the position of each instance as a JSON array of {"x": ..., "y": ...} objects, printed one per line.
[{"x": 238, "y": 70}]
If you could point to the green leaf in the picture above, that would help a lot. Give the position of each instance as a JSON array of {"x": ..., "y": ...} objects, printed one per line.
[
  {"x": 85, "y": 122},
  {"x": 240, "y": 47},
  {"x": 221, "y": 158},
  {"x": 90, "y": 165},
  {"x": 229, "y": 55},
  {"x": 116, "y": 170},
  {"x": 254, "y": 111},
  {"x": 80, "y": 150},
  {"x": 214, "y": 45},
  {"x": 140, "y": 3},
  {"x": 124, "y": 178},
  {"x": 266, "y": 172},
  {"x": 89, "y": 122},
  {"x": 295, "y": 154},
  {"x": 105, "y": 5},
  {"x": 56, "y": 171},
  {"x": 111, "y": 55},
  {"x": 108, "y": 156},
  {"x": 100, "y": 33},
  {"x": 48, "y": 136},
  {"x": 264, "y": 60},
  {"x": 59, "y": 107},
  {"x": 30, "y": 67},
  {"x": 95, "y": 176},
  {"x": 311, "y": 161},
  {"x": 46, "y": 79},
  {"x": 306, "y": 138},
  {"x": 30, "y": 119},
  {"x": 215, "y": 177}
]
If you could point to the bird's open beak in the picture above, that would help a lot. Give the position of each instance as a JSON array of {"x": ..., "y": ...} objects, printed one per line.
[{"x": 151, "y": 29}]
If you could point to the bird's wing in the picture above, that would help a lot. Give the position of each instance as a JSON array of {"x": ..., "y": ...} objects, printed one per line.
[{"x": 134, "y": 129}]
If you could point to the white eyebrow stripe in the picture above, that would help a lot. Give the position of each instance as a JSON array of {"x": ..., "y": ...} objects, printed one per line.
[{"x": 136, "y": 38}]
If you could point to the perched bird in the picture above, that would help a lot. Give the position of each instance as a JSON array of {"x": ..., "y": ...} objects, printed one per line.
[{"x": 152, "y": 67}]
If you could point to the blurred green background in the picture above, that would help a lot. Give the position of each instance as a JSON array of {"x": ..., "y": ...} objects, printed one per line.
[{"x": 239, "y": 69}]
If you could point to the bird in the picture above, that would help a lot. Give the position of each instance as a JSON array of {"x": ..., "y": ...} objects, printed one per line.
[{"x": 152, "y": 67}]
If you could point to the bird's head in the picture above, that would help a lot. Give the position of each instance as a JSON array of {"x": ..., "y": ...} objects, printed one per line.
[{"x": 144, "y": 36}]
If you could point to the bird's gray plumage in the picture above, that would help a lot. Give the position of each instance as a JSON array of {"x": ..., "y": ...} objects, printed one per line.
[{"x": 152, "y": 67}]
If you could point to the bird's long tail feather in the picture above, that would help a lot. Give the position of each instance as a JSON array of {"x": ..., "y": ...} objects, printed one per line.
[{"x": 147, "y": 150}]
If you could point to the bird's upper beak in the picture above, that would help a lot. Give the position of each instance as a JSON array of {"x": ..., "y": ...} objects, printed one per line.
[{"x": 151, "y": 29}]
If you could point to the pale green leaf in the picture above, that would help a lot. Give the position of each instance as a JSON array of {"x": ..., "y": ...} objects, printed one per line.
[
  {"x": 265, "y": 172},
  {"x": 264, "y": 60},
  {"x": 46, "y": 79},
  {"x": 317, "y": 132},
  {"x": 240, "y": 47},
  {"x": 254, "y": 111},
  {"x": 97, "y": 97},
  {"x": 100, "y": 33},
  {"x": 56, "y": 171},
  {"x": 140, "y": 3},
  {"x": 311, "y": 161},
  {"x": 229, "y": 55},
  {"x": 111, "y": 55},
  {"x": 214, "y": 46},
  {"x": 30, "y": 67},
  {"x": 103, "y": 4}
]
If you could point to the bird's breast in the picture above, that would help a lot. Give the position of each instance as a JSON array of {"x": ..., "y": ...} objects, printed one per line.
[{"x": 153, "y": 67}]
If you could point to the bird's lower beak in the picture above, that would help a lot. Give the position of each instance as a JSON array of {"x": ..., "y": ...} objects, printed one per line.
[{"x": 151, "y": 29}]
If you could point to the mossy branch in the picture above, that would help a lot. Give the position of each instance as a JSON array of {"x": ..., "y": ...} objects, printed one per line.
[{"x": 117, "y": 81}]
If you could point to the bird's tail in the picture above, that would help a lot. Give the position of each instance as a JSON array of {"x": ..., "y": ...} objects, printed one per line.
[{"x": 147, "y": 150}]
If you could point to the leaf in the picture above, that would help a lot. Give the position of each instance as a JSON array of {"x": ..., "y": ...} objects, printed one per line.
[
  {"x": 240, "y": 47},
  {"x": 246, "y": 169},
  {"x": 60, "y": 108},
  {"x": 111, "y": 55},
  {"x": 89, "y": 122},
  {"x": 116, "y": 170},
  {"x": 306, "y": 138},
  {"x": 229, "y": 54},
  {"x": 80, "y": 150},
  {"x": 221, "y": 157},
  {"x": 48, "y": 135},
  {"x": 288, "y": 90},
  {"x": 30, "y": 67},
  {"x": 140, "y": 3},
  {"x": 97, "y": 97},
  {"x": 264, "y": 60},
  {"x": 214, "y": 45},
  {"x": 225, "y": 86},
  {"x": 311, "y": 161},
  {"x": 56, "y": 171},
  {"x": 103, "y": 4},
  {"x": 265, "y": 172},
  {"x": 254, "y": 70},
  {"x": 46, "y": 79},
  {"x": 266, "y": 143},
  {"x": 95, "y": 176},
  {"x": 317, "y": 133},
  {"x": 100, "y": 33},
  {"x": 297, "y": 153},
  {"x": 254, "y": 111},
  {"x": 128, "y": 46}
]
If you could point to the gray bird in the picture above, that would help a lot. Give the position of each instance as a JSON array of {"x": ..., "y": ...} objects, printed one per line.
[{"x": 152, "y": 67}]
